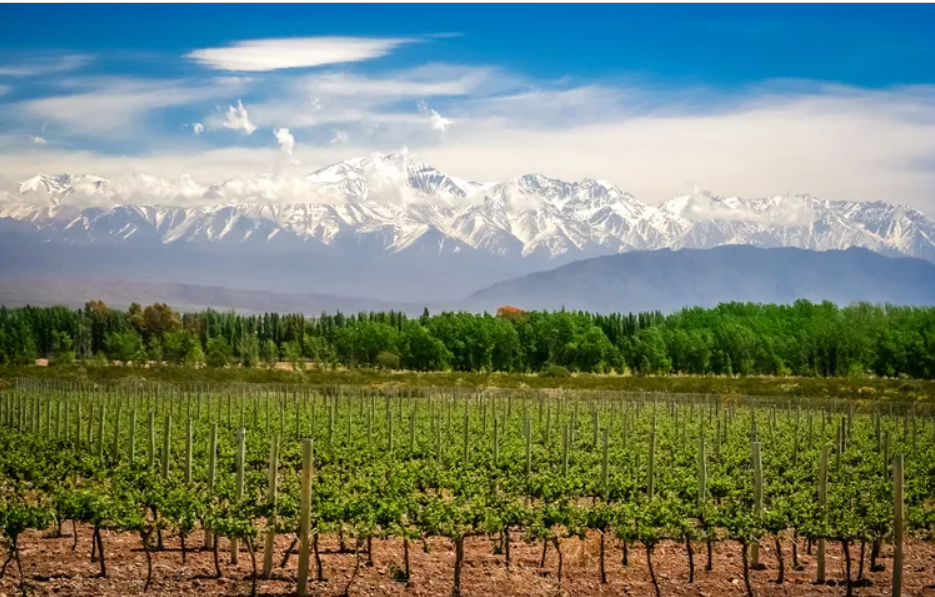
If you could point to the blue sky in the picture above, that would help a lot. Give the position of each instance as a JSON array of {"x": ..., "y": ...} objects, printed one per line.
[{"x": 834, "y": 100}]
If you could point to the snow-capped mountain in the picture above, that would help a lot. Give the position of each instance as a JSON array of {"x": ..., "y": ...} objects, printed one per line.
[{"x": 396, "y": 204}]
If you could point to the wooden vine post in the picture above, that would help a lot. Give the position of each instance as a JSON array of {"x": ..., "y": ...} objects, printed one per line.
[
  {"x": 101, "y": 420},
  {"x": 151, "y": 441},
  {"x": 650, "y": 477},
  {"x": 189, "y": 440},
  {"x": 271, "y": 498},
  {"x": 166, "y": 446},
  {"x": 116, "y": 442},
  {"x": 131, "y": 439},
  {"x": 467, "y": 430},
  {"x": 757, "y": 498},
  {"x": 527, "y": 431},
  {"x": 496, "y": 441},
  {"x": 566, "y": 437},
  {"x": 702, "y": 472},
  {"x": 212, "y": 472},
  {"x": 305, "y": 517},
  {"x": 605, "y": 465},
  {"x": 898, "y": 524},
  {"x": 822, "y": 503},
  {"x": 241, "y": 456}
]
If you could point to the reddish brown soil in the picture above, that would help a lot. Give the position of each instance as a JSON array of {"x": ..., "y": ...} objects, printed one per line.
[{"x": 52, "y": 568}]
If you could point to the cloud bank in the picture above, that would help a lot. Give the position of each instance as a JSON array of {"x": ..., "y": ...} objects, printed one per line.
[{"x": 478, "y": 122}]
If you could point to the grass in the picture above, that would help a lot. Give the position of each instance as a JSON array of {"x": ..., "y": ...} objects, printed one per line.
[{"x": 901, "y": 390}]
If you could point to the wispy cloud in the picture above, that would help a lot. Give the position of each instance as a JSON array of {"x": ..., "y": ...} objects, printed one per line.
[
  {"x": 435, "y": 80},
  {"x": 38, "y": 140},
  {"x": 384, "y": 99},
  {"x": 274, "y": 54},
  {"x": 116, "y": 106},
  {"x": 42, "y": 65}
]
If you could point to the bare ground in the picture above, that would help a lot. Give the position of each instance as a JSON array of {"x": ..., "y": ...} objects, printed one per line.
[{"x": 52, "y": 568}]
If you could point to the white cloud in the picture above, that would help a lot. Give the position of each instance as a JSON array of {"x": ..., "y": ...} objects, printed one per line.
[
  {"x": 787, "y": 211},
  {"x": 38, "y": 140},
  {"x": 835, "y": 143},
  {"x": 115, "y": 107},
  {"x": 437, "y": 80},
  {"x": 198, "y": 128},
  {"x": 40, "y": 65},
  {"x": 237, "y": 119},
  {"x": 832, "y": 143},
  {"x": 4, "y": 89},
  {"x": 285, "y": 139},
  {"x": 339, "y": 98},
  {"x": 439, "y": 122},
  {"x": 274, "y": 54}
]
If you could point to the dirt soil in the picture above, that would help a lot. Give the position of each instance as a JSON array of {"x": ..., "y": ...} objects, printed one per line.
[{"x": 52, "y": 568}]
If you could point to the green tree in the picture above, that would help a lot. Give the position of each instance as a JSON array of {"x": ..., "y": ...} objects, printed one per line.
[
  {"x": 292, "y": 353},
  {"x": 125, "y": 346},
  {"x": 180, "y": 346},
  {"x": 422, "y": 351},
  {"x": 219, "y": 353},
  {"x": 63, "y": 349},
  {"x": 248, "y": 351},
  {"x": 269, "y": 353}
]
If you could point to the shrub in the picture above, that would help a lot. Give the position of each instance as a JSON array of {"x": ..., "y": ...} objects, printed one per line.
[
  {"x": 555, "y": 371},
  {"x": 388, "y": 360}
]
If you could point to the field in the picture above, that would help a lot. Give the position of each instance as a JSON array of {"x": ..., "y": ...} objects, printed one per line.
[
  {"x": 865, "y": 388},
  {"x": 428, "y": 491}
]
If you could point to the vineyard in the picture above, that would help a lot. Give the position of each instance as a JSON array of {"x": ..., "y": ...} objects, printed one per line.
[{"x": 309, "y": 490}]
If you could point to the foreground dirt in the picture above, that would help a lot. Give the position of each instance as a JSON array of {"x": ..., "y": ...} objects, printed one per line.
[{"x": 52, "y": 568}]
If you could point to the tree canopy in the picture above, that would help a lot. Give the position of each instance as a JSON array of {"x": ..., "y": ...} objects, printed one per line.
[{"x": 804, "y": 338}]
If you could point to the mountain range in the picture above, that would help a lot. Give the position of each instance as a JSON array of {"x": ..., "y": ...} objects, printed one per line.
[
  {"x": 663, "y": 280},
  {"x": 389, "y": 226}
]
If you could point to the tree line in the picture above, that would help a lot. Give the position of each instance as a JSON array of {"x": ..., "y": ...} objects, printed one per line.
[{"x": 804, "y": 338}]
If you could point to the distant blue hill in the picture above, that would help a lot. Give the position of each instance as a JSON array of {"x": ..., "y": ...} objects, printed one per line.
[{"x": 669, "y": 280}]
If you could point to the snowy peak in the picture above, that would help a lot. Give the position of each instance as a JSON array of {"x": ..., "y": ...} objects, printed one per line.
[
  {"x": 397, "y": 204},
  {"x": 55, "y": 188},
  {"x": 393, "y": 178}
]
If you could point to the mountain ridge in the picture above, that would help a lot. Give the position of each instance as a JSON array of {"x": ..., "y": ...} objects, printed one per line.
[
  {"x": 391, "y": 203},
  {"x": 668, "y": 280},
  {"x": 665, "y": 280}
]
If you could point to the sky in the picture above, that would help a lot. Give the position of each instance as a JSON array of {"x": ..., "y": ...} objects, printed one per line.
[{"x": 752, "y": 100}]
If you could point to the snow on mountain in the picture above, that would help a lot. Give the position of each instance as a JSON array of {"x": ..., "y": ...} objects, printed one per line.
[{"x": 394, "y": 203}]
